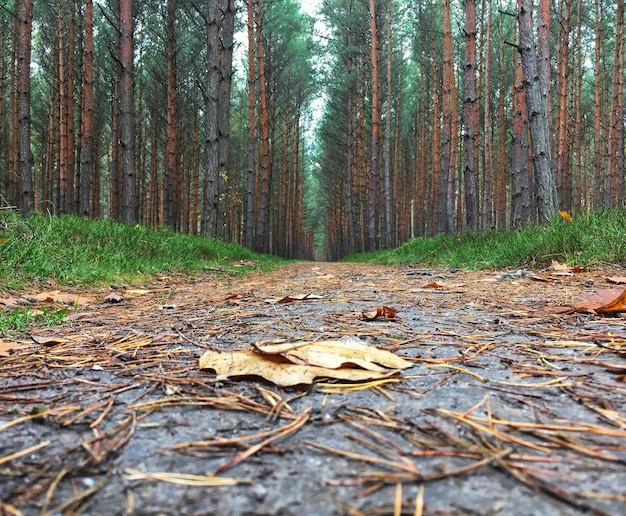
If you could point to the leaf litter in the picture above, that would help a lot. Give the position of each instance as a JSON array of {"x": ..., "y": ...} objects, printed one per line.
[{"x": 505, "y": 395}]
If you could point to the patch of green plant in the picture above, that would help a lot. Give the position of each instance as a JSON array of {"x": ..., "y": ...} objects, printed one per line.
[
  {"x": 80, "y": 251},
  {"x": 19, "y": 319},
  {"x": 597, "y": 237}
]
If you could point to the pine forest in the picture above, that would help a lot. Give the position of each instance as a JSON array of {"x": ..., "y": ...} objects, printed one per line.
[{"x": 313, "y": 129}]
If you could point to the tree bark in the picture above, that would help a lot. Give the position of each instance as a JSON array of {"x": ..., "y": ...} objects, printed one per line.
[
  {"x": 562, "y": 159},
  {"x": 375, "y": 129},
  {"x": 227, "y": 31},
  {"x": 25, "y": 21},
  {"x": 537, "y": 106},
  {"x": 210, "y": 201},
  {"x": 250, "y": 218},
  {"x": 614, "y": 178},
  {"x": 449, "y": 133},
  {"x": 172, "y": 200},
  {"x": 262, "y": 240},
  {"x": 86, "y": 143},
  {"x": 470, "y": 117},
  {"x": 520, "y": 187},
  {"x": 389, "y": 239},
  {"x": 128, "y": 212}
]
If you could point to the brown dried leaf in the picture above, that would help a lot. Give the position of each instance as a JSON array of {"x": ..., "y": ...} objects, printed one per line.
[
  {"x": 235, "y": 299},
  {"x": 610, "y": 279},
  {"x": 605, "y": 302},
  {"x": 382, "y": 312},
  {"x": 561, "y": 269},
  {"x": 61, "y": 297},
  {"x": 114, "y": 297},
  {"x": 434, "y": 284},
  {"x": 79, "y": 316},
  {"x": 292, "y": 299},
  {"x": 6, "y": 346},
  {"x": 277, "y": 370},
  {"x": 48, "y": 342},
  {"x": 335, "y": 354},
  {"x": 9, "y": 302},
  {"x": 137, "y": 292}
]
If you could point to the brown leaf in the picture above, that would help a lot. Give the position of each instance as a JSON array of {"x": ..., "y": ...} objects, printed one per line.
[
  {"x": 276, "y": 362},
  {"x": 610, "y": 279},
  {"x": 605, "y": 302},
  {"x": 382, "y": 312},
  {"x": 9, "y": 302},
  {"x": 561, "y": 269},
  {"x": 292, "y": 299},
  {"x": 6, "y": 346},
  {"x": 434, "y": 284},
  {"x": 61, "y": 297},
  {"x": 114, "y": 297},
  {"x": 48, "y": 342},
  {"x": 334, "y": 354},
  {"x": 237, "y": 298}
]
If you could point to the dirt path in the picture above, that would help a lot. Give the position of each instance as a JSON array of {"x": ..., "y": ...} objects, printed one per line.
[{"x": 512, "y": 407}]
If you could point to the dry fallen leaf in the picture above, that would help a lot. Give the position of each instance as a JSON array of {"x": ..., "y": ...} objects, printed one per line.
[
  {"x": 612, "y": 279},
  {"x": 237, "y": 298},
  {"x": 434, "y": 284},
  {"x": 6, "y": 346},
  {"x": 566, "y": 216},
  {"x": 137, "y": 291},
  {"x": 604, "y": 302},
  {"x": 114, "y": 297},
  {"x": 50, "y": 341},
  {"x": 336, "y": 353},
  {"x": 292, "y": 299},
  {"x": 61, "y": 297},
  {"x": 323, "y": 359},
  {"x": 561, "y": 269},
  {"x": 382, "y": 312},
  {"x": 9, "y": 302}
]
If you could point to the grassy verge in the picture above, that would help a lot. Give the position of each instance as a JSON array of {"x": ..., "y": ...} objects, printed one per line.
[
  {"x": 78, "y": 251},
  {"x": 594, "y": 238}
]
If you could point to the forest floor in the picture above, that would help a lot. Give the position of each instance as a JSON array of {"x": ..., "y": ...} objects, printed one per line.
[{"x": 513, "y": 404}]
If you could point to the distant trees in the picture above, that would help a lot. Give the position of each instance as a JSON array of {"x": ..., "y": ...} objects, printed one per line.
[
  {"x": 518, "y": 150},
  {"x": 437, "y": 116}
]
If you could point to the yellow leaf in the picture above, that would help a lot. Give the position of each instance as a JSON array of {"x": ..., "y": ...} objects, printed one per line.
[{"x": 566, "y": 216}]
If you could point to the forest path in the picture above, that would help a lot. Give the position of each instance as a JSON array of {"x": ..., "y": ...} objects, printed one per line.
[{"x": 511, "y": 407}]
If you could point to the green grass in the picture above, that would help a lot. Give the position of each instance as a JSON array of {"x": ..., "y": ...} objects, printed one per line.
[
  {"x": 79, "y": 251},
  {"x": 19, "y": 320},
  {"x": 593, "y": 238}
]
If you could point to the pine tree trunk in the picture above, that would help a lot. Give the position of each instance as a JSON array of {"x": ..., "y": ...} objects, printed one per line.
[
  {"x": 520, "y": 188},
  {"x": 128, "y": 212},
  {"x": 250, "y": 218},
  {"x": 562, "y": 159},
  {"x": 25, "y": 20},
  {"x": 537, "y": 106},
  {"x": 227, "y": 31},
  {"x": 614, "y": 179},
  {"x": 389, "y": 237},
  {"x": 210, "y": 199},
  {"x": 87, "y": 141},
  {"x": 262, "y": 237},
  {"x": 172, "y": 204},
  {"x": 470, "y": 118},
  {"x": 375, "y": 129}
]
